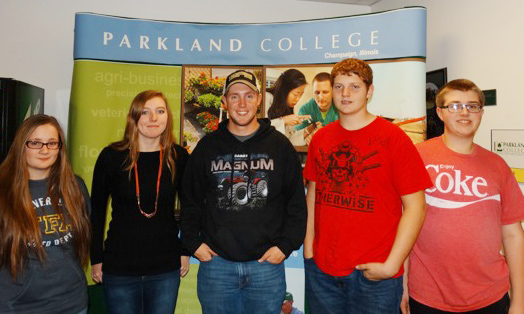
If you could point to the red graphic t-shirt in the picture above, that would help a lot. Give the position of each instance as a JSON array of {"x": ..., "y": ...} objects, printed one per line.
[{"x": 360, "y": 176}]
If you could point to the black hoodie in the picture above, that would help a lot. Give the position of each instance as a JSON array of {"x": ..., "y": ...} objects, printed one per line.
[{"x": 241, "y": 198}]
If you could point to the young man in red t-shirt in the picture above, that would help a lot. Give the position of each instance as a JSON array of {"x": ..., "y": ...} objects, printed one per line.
[
  {"x": 362, "y": 172},
  {"x": 474, "y": 209}
]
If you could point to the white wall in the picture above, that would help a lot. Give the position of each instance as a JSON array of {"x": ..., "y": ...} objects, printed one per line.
[
  {"x": 479, "y": 40},
  {"x": 36, "y": 37}
]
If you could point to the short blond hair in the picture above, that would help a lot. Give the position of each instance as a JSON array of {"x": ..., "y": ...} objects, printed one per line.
[{"x": 463, "y": 85}]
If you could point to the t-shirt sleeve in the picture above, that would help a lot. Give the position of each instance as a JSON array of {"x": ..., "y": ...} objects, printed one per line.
[
  {"x": 512, "y": 199},
  {"x": 310, "y": 170},
  {"x": 409, "y": 173}
]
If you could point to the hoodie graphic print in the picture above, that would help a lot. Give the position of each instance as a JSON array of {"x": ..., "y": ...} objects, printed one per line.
[{"x": 242, "y": 180}]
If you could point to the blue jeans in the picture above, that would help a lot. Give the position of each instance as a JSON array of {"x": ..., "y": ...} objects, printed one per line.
[
  {"x": 353, "y": 293},
  {"x": 241, "y": 287},
  {"x": 155, "y": 294}
]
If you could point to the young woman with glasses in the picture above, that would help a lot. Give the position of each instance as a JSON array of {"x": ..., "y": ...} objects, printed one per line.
[
  {"x": 44, "y": 226},
  {"x": 141, "y": 261}
]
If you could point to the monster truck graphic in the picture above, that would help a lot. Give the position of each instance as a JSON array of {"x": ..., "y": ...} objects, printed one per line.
[{"x": 248, "y": 190}]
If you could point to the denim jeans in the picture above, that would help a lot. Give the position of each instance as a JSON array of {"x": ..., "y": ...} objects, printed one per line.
[
  {"x": 155, "y": 294},
  {"x": 241, "y": 287},
  {"x": 353, "y": 293}
]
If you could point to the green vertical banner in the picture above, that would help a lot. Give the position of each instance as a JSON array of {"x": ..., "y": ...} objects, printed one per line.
[{"x": 101, "y": 95}]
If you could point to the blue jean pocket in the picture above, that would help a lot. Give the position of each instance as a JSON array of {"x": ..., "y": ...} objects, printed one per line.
[{"x": 367, "y": 281}]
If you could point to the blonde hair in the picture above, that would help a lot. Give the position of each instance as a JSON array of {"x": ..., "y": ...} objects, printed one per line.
[{"x": 463, "y": 85}]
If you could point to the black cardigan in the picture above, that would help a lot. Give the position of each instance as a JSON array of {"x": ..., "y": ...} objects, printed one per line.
[{"x": 135, "y": 245}]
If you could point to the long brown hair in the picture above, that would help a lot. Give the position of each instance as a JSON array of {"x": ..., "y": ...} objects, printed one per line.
[
  {"x": 130, "y": 140},
  {"x": 286, "y": 82},
  {"x": 19, "y": 228}
]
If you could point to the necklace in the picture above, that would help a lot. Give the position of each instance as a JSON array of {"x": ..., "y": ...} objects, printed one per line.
[{"x": 137, "y": 189}]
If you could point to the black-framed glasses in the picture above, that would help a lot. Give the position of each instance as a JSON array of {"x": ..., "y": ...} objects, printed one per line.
[
  {"x": 473, "y": 107},
  {"x": 38, "y": 145}
]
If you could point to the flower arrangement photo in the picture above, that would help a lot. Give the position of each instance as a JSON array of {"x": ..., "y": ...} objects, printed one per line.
[{"x": 202, "y": 103}]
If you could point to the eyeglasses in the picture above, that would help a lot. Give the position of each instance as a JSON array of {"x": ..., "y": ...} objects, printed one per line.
[
  {"x": 458, "y": 107},
  {"x": 39, "y": 145}
]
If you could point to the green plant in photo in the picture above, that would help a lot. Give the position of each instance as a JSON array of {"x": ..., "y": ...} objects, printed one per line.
[
  {"x": 189, "y": 137},
  {"x": 189, "y": 96},
  {"x": 210, "y": 101}
]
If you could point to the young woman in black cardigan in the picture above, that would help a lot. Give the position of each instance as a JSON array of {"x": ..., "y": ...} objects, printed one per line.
[{"x": 141, "y": 261}]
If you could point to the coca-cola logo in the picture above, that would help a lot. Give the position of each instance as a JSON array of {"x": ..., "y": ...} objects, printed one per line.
[{"x": 450, "y": 180}]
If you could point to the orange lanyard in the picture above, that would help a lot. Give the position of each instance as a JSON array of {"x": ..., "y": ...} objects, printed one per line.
[{"x": 137, "y": 189}]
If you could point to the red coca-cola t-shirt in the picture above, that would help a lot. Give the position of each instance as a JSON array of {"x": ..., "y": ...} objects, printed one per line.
[{"x": 456, "y": 264}]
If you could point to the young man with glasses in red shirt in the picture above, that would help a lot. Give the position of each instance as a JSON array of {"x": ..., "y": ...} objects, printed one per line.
[{"x": 473, "y": 210}]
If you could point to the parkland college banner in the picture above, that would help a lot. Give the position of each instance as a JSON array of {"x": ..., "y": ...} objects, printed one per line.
[
  {"x": 116, "y": 58},
  {"x": 509, "y": 144}
]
